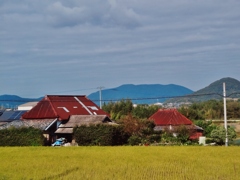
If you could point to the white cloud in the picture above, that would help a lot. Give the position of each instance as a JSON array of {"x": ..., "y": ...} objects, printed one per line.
[
  {"x": 108, "y": 13},
  {"x": 103, "y": 42}
]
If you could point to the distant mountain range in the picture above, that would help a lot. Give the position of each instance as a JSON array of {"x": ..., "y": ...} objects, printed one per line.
[
  {"x": 12, "y": 101},
  {"x": 148, "y": 94},
  {"x": 140, "y": 94}
]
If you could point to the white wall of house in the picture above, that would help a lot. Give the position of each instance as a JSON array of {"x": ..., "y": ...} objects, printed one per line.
[{"x": 27, "y": 106}]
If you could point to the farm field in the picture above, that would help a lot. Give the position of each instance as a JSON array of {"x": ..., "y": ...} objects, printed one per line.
[{"x": 123, "y": 162}]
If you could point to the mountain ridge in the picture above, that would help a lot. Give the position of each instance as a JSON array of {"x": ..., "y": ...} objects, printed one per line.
[
  {"x": 148, "y": 93},
  {"x": 213, "y": 91},
  {"x": 140, "y": 94}
]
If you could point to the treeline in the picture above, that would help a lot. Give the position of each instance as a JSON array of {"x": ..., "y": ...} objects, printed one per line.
[
  {"x": 125, "y": 107},
  {"x": 210, "y": 110},
  {"x": 207, "y": 110}
]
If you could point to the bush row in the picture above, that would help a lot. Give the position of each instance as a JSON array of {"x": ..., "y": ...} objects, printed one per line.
[
  {"x": 25, "y": 136},
  {"x": 100, "y": 134}
]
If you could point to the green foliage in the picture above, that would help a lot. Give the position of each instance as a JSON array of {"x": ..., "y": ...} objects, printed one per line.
[
  {"x": 118, "y": 109},
  {"x": 212, "y": 109},
  {"x": 219, "y": 134},
  {"x": 21, "y": 137},
  {"x": 144, "y": 111},
  {"x": 100, "y": 134},
  {"x": 192, "y": 112},
  {"x": 180, "y": 135},
  {"x": 140, "y": 131},
  {"x": 167, "y": 137},
  {"x": 233, "y": 109},
  {"x": 123, "y": 108},
  {"x": 134, "y": 140},
  {"x": 183, "y": 134}
]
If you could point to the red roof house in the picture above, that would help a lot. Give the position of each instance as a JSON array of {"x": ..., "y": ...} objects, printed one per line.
[
  {"x": 171, "y": 119},
  {"x": 56, "y": 110},
  {"x": 62, "y": 107}
]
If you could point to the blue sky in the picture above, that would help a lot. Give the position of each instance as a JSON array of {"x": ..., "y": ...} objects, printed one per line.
[{"x": 75, "y": 46}]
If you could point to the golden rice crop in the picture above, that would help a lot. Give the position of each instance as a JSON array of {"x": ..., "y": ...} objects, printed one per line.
[{"x": 123, "y": 162}]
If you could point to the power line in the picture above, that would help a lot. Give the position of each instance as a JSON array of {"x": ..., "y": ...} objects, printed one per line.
[
  {"x": 76, "y": 90},
  {"x": 135, "y": 99}
]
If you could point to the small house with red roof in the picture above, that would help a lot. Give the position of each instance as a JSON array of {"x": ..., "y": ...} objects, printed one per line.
[
  {"x": 171, "y": 119},
  {"x": 56, "y": 110}
]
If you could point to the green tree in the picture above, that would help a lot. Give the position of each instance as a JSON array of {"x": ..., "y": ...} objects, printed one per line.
[
  {"x": 144, "y": 111},
  {"x": 233, "y": 109},
  {"x": 212, "y": 109},
  {"x": 118, "y": 109},
  {"x": 139, "y": 130},
  {"x": 183, "y": 134},
  {"x": 122, "y": 108},
  {"x": 193, "y": 112},
  {"x": 219, "y": 134}
]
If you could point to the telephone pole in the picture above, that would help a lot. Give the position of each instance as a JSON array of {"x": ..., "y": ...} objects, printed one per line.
[
  {"x": 100, "y": 95},
  {"x": 225, "y": 113}
]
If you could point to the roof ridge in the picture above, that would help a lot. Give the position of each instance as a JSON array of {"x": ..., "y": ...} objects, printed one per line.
[
  {"x": 51, "y": 106},
  {"x": 170, "y": 117},
  {"x": 174, "y": 116}
]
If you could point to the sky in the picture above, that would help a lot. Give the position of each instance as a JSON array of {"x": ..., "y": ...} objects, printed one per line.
[{"x": 76, "y": 46}]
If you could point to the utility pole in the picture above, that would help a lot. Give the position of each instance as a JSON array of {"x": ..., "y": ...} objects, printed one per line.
[
  {"x": 100, "y": 95},
  {"x": 225, "y": 113}
]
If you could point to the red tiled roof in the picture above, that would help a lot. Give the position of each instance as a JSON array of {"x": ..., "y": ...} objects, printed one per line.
[
  {"x": 60, "y": 106},
  {"x": 169, "y": 117}
]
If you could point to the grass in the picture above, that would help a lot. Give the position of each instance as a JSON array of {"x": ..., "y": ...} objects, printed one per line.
[{"x": 125, "y": 162}]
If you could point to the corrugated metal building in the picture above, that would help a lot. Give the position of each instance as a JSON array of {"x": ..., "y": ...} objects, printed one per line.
[{"x": 62, "y": 107}]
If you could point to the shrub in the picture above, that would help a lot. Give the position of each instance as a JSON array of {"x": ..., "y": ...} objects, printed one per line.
[
  {"x": 219, "y": 135},
  {"x": 21, "y": 137},
  {"x": 100, "y": 134},
  {"x": 134, "y": 140}
]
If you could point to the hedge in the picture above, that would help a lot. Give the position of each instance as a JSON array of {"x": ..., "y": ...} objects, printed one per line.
[
  {"x": 25, "y": 136},
  {"x": 100, "y": 134}
]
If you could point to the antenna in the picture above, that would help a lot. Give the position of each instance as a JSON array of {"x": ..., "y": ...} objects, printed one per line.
[
  {"x": 225, "y": 113},
  {"x": 100, "y": 95}
]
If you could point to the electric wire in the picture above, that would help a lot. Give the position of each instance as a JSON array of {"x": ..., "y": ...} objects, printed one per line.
[{"x": 132, "y": 99}]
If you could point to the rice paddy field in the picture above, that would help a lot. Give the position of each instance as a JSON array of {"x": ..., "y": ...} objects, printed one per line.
[{"x": 124, "y": 162}]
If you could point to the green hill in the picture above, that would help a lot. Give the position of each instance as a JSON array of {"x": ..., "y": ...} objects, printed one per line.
[
  {"x": 213, "y": 91},
  {"x": 141, "y": 94}
]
